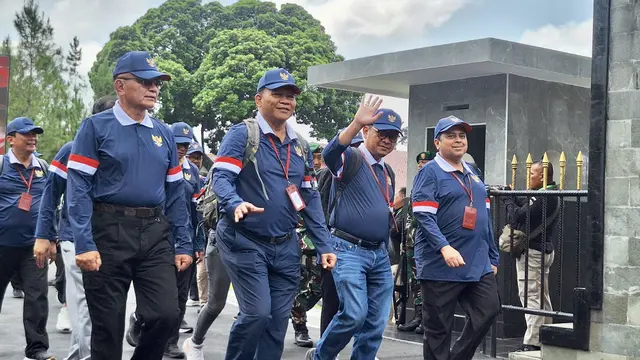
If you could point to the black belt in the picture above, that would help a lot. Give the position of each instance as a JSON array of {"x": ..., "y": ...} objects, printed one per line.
[
  {"x": 275, "y": 240},
  {"x": 355, "y": 240},
  {"x": 139, "y": 212}
]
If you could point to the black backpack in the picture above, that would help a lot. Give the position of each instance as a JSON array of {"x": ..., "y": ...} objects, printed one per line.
[{"x": 325, "y": 180}]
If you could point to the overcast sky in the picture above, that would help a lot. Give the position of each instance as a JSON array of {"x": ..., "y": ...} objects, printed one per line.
[{"x": 358, "y": 27}]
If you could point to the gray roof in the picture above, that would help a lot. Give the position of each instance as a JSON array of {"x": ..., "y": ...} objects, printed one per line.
[{"x": 393, "y": 73}]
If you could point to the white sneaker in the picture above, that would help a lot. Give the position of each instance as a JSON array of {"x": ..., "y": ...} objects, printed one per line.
[
  {"x": 64, "y": 324},
  {"x": 193, "y": 351},
  {"x": 192, "y": 303}
]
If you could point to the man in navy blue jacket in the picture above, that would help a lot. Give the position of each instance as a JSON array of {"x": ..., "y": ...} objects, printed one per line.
[
  {"x": 22, "y": 181},
  {"x": 125, "y": 198},
  {"x": 55, "y": 189}
]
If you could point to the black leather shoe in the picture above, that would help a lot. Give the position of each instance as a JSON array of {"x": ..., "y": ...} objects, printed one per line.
[
  {"x": 302, "y": 339},
  {"x": 185, "y": 328},
  {"x": 133, "y": 332},
  {"x": 172, "y": 351},
  {"x": 419, "y": 330},
  {"x": 18, "y": 294}
]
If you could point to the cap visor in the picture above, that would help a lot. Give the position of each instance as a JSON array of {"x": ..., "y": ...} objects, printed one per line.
[
  {"x": 282, "y": 84},
  {"x": 34, "y": 129},
  {"x": 386, "y": 127},
  {"x": 151, "y": 74},
  {"x": 467, "y": 128},
  {"x": 182, "y": 139},
  {"x": 194, "y": 151}
]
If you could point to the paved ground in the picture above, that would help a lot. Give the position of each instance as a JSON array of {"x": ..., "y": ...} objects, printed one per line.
[{"x": 12, "y": 334}]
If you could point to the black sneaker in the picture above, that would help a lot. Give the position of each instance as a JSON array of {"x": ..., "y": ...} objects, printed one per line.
[
  {"x": 18, "y": 294},
  {"x": 172, "y": 351},
  {"x": 302, "y": 339},
  {"x": 42, "y": 355},
  {"x": 134, "y": 330},
  {"x": 185, "y": 328},
  {"x": 419, "y": 330}
]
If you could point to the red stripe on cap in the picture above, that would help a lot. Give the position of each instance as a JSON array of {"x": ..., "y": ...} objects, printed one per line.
[{"x": 84, "y": 160}]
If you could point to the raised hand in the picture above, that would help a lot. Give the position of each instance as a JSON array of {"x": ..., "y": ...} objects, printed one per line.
[{"x": 366, "y": 114}]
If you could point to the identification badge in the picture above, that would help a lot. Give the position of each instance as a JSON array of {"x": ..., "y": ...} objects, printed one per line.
[
  {"x": 294, "y": 196},
  {"x": 25, "y": 202},
  {"x": 469, "y": 219}
]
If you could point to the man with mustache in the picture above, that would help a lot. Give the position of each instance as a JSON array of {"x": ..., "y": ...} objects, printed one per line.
[
  {"x": 125, "y": 197},
  {"x": 455, "y": 252},
  {"x": 22, "y": 180},
  {"x": 261, "y": 190}
]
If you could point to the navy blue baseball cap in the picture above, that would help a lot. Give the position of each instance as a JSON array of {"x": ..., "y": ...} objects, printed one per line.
[
  {"x": 390, "y": 120},
  {"x": 23, "y": 125},
  {"x": 194, "y": 147},
  {"x": 182, "y": 133},
  {"x": 277, "y": 78},
  {"x": 449, "y": 122},
  {"x": 140, "y": 64}
]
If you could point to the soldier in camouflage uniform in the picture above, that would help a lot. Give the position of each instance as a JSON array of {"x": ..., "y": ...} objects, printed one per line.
[
  {"x": 310, "y": 289},
  {"x": 415, "y": 325}
]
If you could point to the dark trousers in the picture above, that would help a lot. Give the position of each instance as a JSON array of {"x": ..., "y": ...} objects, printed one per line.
[
  {"x": 480, "y": 302},
  {"x": 184, "y": 280},
  {"x": 265, "y": 278},
  {"x": 35, "y": 311},
  {"x": 330, "y": 301},
  {"x": 16, "y": 281},
  {"x": 60, "y": 281},
  {"x": 138, "y": 250},
  {"x": 193, "y": 284}
]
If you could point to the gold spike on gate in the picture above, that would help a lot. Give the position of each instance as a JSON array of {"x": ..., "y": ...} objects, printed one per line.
[
  {"x": 514, "y": 169},
  {"x": 545, "y": 171},
  {"x": 579, "y": 163},
  {"x": 529, "y": 162},
  {"x": 563, "y": 166}
]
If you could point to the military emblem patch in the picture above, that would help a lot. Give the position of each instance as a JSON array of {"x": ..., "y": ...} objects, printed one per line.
[
  {"x": 185, "y": 131},
  {"x": 284, "y": 76},
  {"x": 475, "y": 178},
  {"x": 151, "y": 62},
  {"x": 187, "y": 175},
  {"x": 38, "y": 173},
  {"x": 157, "y": 140},
  {"x": 298, "y": 150},
  {"x": 391, "y": 118}
]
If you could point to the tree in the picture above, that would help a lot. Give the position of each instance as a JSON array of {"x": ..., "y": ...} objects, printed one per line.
[
  {"x": 216, "y": 56},
  {"x": 44, "y": 85}
]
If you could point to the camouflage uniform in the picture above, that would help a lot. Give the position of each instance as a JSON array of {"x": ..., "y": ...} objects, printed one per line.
[{"x": 309, "y": 291}]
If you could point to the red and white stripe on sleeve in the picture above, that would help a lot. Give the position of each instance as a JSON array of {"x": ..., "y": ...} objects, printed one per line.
[
  {"x": 195, "y": 197},
  {"x": 488, "y": 203},
  {"x": 175, "y": 174},
  {"x": 83, "y": 164},
  {"x": 58, "y": 168},
  {"x": 228, "y": 163},
  {"x": 430, "y": 207},
  {"x": 308, "y": 182}
]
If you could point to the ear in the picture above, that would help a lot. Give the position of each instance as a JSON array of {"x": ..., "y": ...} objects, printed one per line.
[
  {"x": 118, "y": 86},
  {"x": 258, "y": 98},
  {"x": 365, "y": 131},
  {"x": 436, "y": 142}
]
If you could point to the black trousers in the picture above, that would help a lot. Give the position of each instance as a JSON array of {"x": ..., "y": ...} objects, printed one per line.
[
  {"x": 138, "y": 250},
  {"x": 60, "y": 281},
  {"x": 20, "y": 260},
  {"x": 184, "y": 280},
  {"x": 479, "y": 300},
  {"x": 193, "y": 286},
  {"x": 330, "y": 301}
]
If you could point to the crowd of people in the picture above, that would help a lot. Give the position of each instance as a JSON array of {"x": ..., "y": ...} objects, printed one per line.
[{"x": 284, "y": 222}]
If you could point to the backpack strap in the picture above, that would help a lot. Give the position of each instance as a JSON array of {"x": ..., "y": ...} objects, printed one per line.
[
  {"x": 251, "y": 149},
  {"x": 305, "y": 145},
  {"x": 1, "y": 163},
  {"x": 392, "y": 175},
  {"x": 340, "y": 184}
]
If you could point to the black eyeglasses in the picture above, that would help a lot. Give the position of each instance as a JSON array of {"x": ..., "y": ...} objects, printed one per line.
[
  {"x": 144, "y": 82},
  {"x": 387, "y": 134}
]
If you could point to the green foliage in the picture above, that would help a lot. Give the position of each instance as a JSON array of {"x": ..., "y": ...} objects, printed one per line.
[
  {"x": 217, "y": 54},
  {"x": 44, "y": 85}
]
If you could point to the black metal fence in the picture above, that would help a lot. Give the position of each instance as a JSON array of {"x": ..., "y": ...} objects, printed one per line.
[{"x": 565, "y": 228}]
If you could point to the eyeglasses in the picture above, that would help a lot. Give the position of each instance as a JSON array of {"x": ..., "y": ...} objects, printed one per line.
[
  {"x": 387, "y": 134},
  {"x": 144, "y": 82}
]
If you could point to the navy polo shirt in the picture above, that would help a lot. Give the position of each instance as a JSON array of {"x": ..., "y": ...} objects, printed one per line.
[
  {"x": 17, "y": 227},
  {"x": 362, "y": 209},
  {"x": 55, "y": 189},
  {"x": 119, "y": 161},
  {"x": 438, "y": 206},
  {"x": 234, "y": 184},
  {"x": 192, "y": 188}
]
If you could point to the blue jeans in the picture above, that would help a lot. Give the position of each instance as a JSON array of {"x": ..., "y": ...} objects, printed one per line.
[
  {"x": 265, "y": 279},
  {"x": 365, "y": 288}
]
